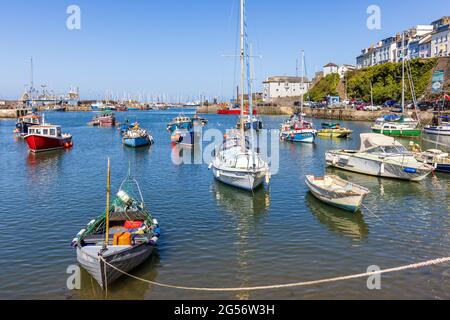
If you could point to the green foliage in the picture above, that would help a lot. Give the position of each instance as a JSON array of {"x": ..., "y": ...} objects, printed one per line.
[
  {"x": 386, "y": 80},
  {"x": 325, "y": 87}
]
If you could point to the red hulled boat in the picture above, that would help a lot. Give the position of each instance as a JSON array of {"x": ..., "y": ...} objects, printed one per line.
[{"x": 47, "y": 137}]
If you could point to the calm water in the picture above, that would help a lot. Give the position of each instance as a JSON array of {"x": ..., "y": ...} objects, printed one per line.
[{"x": 214, "y": 235}]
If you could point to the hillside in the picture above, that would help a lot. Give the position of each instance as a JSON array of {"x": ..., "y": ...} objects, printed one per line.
[{"x": 385, "y": 79}]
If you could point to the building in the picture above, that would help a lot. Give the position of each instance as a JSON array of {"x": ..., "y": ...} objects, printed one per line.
[
  {"x": 284, "y": 86},
  {"x": 342, "y": 70},
  {"x": 330, "y": 68},
  {"x": 440, "y": 42},
  {"x": 425, "y": 46},
  {"x": 441, "y": 22}
]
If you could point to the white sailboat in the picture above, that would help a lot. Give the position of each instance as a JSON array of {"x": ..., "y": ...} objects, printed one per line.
[{"x": 237, "y": 163}]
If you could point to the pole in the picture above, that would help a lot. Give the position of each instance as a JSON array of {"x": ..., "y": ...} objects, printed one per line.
[
  {"x": 403, "y": 73},
  {"x": 242, "y": 58},
  {"x": 108, "y": 182}
]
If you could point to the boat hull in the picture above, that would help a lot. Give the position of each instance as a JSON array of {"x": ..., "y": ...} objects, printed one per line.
[
  {"x": 183, "y": 137},
  {"x": 438, "y": 131},
  {"x": 43, "y": 143},
  {"x": 235, "y": 112},
  {"x": 125, "y": 258},
  {"x": 137, "y": 142},
  {"x": 408, "y": 133},
  {"x": 378, "y": 168},
  {"x": 348, "y": 203},
  {"x": 299, "y": 136},
  {"x": 239, "y": 179},
  {"x": 334, "y": 133}
]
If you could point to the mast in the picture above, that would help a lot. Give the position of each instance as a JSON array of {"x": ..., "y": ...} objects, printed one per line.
[
  {"x": 302, "y": 82},
  {"x": 242, "y": 58},
  {"x": 403, "y": 73},
  {"x": 108, "y": 182},
  {"x": 31, "y": 76}
]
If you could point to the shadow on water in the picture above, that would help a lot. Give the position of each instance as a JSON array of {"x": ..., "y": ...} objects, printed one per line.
[
  {"x": 125, "y": 288},
  {"x": 348, "y": 224}
]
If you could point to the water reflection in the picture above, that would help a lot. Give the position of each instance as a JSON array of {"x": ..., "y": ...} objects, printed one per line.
[
  {"x": 242, "y": 202},
  {"x": 123, "y": 289},
  {"x": 351, "y": 225},
  {"x": 247, "y": 209}
]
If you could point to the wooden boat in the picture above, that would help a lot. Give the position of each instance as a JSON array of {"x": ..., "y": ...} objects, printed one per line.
[
  {"x": 296, "y": 129},
  {"x": 180, "y": 122},
  {"x": 137, "y": 137},
  {"x": 438, "y": 159},
  {"x": 123, "y": 237},
  {"x": 105, "y": 119},
  {"x": 47, "y": 137},
  {"x": 26, "y": 122},
  {"x": 337, "y": 192}
]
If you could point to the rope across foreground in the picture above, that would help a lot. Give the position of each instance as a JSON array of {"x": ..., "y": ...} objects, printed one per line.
[{"x": 291, "y": 285}]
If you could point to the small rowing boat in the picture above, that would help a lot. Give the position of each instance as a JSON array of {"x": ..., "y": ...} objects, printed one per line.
[
  {"x": 122, "y": 238},
  {"x": 333, "y": 130},
  {"x": 337, "y": 192}
]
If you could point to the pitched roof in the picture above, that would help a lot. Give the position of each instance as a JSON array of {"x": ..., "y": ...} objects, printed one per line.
[{"x": 331, "y": 64}]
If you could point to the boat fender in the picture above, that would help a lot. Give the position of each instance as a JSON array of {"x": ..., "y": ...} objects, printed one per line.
[
  {"x": 268, "y": 177},
  {"x": 79, "y": 234},
  {"x": 382, "y": 168},
  {"x": 91, "y": 222},
  {"x": 157, "y": 232},
  {"x": 74, "y": 242},
  {"x": 155, "y": 222},
  {"x": 335, "y": 160},
  {"x": 218, "y": 174},
  {"x": 210, "y": 166},
  {"x": 410, "y": 170}
]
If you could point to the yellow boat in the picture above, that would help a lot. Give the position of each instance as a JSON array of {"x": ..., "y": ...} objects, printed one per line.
[{"x": 335, "y": 133}]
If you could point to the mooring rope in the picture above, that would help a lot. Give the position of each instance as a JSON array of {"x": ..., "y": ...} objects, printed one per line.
[{"x": 291, "y": 285}]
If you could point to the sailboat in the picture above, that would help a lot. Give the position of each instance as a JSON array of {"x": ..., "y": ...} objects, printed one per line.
[
  {"x": 122, "y": 238},
  {"x": 297, "y": 129},
  {"x": 237, "y": 163},
  {"x": 403, "y": 127}
]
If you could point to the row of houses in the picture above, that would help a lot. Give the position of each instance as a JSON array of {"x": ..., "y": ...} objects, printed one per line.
[
  {"x": 421, "y": 41},
  {"x": 288, "y": 87}
]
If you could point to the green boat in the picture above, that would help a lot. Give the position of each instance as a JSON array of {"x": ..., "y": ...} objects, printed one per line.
[{"x": 389, "y": 129}]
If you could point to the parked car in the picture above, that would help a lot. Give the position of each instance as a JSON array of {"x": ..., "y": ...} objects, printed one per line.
[
  {"x": 425, "y": 106},
  {"x": 372, "y": 108},
  {"x": 390, "y": 103}
]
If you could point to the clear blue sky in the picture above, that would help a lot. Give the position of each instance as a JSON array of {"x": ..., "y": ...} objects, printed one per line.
[{"x": 175, "y": 47}]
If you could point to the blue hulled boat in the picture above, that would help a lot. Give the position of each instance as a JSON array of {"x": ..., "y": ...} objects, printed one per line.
[
  {"x": 298, "y": 130},
  {"x": 180, "y": 122},
  {"x": 137, "y": 137}
]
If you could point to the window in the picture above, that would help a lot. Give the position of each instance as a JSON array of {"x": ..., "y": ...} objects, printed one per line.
[
  {"x": 52, "y": 132},
  {"x": 45, "y": 132}
]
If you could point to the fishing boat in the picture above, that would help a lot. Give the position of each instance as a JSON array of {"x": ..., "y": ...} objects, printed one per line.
[
  {"x": 183, "y": 137},
  {"x": 442, "y": 128},
  {"x": 199, "y": 121},
  {"x": 337, "y": 192},
  {"x": 25, "y": 122},
  {"x": 251, "y": 123},
  {"x": 47, "y": 137},
  {"x": 121, "y": 238},
  {"x": 137, "y": 137},
  {"x": 297, "y": 129},
  {"x": 402, "y": 126},
  {"x": 180, "y": 122},
  {"x": 333, "y": 130},
  {"x": 124, "y": 127},
  {"x": 438, "y": 159},
  {"x": 105, "y": 119},
  {"x": 382, "y": 156},
  {"x": 237, "y": 162}
]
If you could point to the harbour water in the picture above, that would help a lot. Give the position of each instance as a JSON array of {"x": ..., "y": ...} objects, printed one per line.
[{"x": 214, "y": 235}]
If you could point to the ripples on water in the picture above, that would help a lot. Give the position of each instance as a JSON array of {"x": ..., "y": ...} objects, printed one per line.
[{"x": 214, "y": 235}]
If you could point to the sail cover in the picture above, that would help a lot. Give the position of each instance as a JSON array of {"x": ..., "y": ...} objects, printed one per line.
[{"x": 371, "y": 140}]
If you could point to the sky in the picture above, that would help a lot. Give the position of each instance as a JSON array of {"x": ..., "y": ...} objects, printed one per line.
[{"x": 183, "y": 49}]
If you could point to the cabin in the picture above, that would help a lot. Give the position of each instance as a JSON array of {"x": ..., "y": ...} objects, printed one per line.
[{"x": 50, "y": 131}]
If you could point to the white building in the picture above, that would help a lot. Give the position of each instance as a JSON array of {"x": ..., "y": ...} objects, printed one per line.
[
  {"x": 425, "y": 46},
  {"x": 342, "y": 70},
  {"x": 330, "y": 68},
  {"x": 440, "y": 42},
  {"x": 283, "y": 86}
]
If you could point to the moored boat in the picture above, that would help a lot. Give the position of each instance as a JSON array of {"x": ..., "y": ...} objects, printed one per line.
[
  {"x": 199, "y": 121},
  {"x": 296, "y": 129},
  {"x": 337, "y": 192},
  {"x": 105, "y": 119},
  {"x": 47, "y": 137},
  {"x": 180, "y": 122},
  {"x": 442, "y": 128},
  {"x": 382, "y": 156},
  {"x": 26, "y": 122},
  {"x": 438, "y": 159},
  {"x": 333, "y": 130},
  {"x": 122, "y": 238},
  {"x": 137, "y": 137},
  {"x": 251, "y": 123}
]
